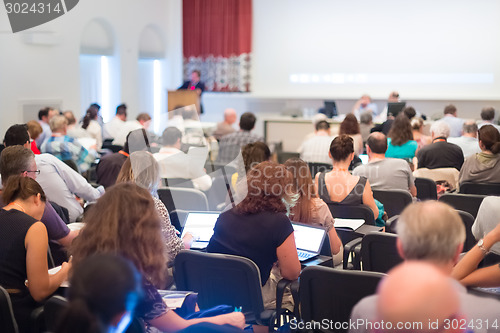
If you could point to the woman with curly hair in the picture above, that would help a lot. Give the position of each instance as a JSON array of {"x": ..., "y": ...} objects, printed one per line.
[
  {"x": 400, "y": 143},
  {"x": 258, "y": 228},
  {"x": 310, "y": 209},
  {"x": 350, "y": 126},
  {"x": 124, "y": 221}
]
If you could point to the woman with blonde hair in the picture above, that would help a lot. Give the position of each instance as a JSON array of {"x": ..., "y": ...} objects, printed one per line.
[
  {"x": 142, "y": 168},
  {"x": 124, "y": 221},
  {"x": 309, "y": 208}
]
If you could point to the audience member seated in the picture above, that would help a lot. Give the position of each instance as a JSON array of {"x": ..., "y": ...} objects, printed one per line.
[
  {"x": 488, "y": 217},
  {"x": 64, "y": 147},
  {"x": 103, "y": 294},
  {"x": 23, "y": 249},
  {"x": 315, "y": 149},
  {"x": 259, "y": 229},
  {"x": 484, "y": 167},
  {"x": 364, "y": 104},
  {"x": 112, "y": 128},
  {"x": 230, "y": 145},
  {"x": 468, "y": 141},
  {"x": 455, "y": 123},
  {"x": 417, "y": 297},
  {"x": 365, "y": 125},
  {"x": 60, "y": 183},
  {"x": 310, "y": 209},
  {"x": 440, "y": 153},
  {"x": 44, "y": 116},
  {"x": 466, "y": 270},
  {"x": 91, "y": 125},
  {"x": 338, "y": 185},
  {"x": 34, "y": 130},
  {"x": 226, "y": 127},
  {"x": 433, "y": 233},
  {"x": 350, "y": 126},
  {"x": 143, "y": 120},
  {"x": 141, "y": 168},
  {"x": 253, "y": 154},
  {"x": 74, "y": 130},
  {"x": 488, "y": 117},
  {"x": 400, "y": 143},
  {"x": 125, "y": 221},
  {"x": 385, "y": 173},
  {"x": 174, "y": 163},
  {"x": 417, "y": 128},
  {"x": 17, "y": 160}
]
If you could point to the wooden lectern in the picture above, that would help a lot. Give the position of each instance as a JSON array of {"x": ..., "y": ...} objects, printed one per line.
[{"x": 178, "y": 98}]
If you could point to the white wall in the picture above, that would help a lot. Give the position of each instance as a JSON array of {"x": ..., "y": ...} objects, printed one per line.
[{"x": 40, "y": 72}]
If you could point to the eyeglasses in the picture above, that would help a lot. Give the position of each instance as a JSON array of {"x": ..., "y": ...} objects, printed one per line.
[{"x": 34, "y": 171}]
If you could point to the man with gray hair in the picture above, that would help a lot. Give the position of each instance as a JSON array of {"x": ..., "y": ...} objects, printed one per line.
[
  {"x": 433, "y": 232},
  {"x": 468, "y": 141},
  {"x": 64, "y": 147},
  {"x": 440, "y": 153}
]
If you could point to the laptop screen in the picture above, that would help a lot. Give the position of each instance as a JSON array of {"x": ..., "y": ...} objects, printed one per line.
[
  {"x": 308, "y": 238},
  {"x": 201, "y": 225}
]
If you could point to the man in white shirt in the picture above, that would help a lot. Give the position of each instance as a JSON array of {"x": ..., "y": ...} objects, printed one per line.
[
  {"x": 385, "y": 173},
  {"x": 176, "y": 164},
  {"x": 113, "y": 128},
  {"x": 468, "y": 141},
  {"x": 488, "y": 117},
  {"x": 433, "y": 232},
  {"x": 143, "y": 120},
  {"x": 455, "y": 123},
  {"x": 317, "y": 147}
]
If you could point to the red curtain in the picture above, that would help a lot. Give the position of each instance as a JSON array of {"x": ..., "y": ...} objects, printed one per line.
[{"x": 217, "y": 40}]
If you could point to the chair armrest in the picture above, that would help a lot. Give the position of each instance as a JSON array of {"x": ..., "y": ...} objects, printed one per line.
[
  {"x": 280, "y": 291},
  {"x": 348, "y": 248},
  {"x": 389, "y": 224}
]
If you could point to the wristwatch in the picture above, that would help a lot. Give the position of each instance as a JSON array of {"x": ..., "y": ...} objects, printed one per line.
[{"x": 480, "y": 245}]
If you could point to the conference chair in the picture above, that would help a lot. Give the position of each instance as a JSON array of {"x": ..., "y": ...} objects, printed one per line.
[
  {"x": 178, "y": 182},
  {"x": 467, "y": 202},
  {"x": 183, "y": 198},
  {"x": 394, "y": 201},
  {"x": 315, "y": 167},
  {"x": 283, "y": 156},
  {"x": 480, "y": 188},
  {"x": 220, "y": 192},
  {"x": 8, "y": 323},
  {"x": 213, "y": 167},
  {"x": 426, "y": 188},
  {"x": 379, "y": 252},
  {"x": 329, "y": 293},
  {"x": 178, "y": 218},
  {"x": 468, "y": 221},
  {"x": 226, "y": 279}
]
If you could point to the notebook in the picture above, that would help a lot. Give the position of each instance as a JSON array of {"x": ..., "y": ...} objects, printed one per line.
[
  {"x": 308, "y": 239},
  {"x": 201, "y": 226},
  {"x": 353, "y": 224}
]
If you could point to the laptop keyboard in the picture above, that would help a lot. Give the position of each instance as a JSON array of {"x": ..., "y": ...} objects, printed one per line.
[{"x": 304, "y": 255}]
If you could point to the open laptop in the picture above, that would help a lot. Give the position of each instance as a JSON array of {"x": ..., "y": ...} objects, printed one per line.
[
  {"x": 201, "y": 225},
  {"x": 308, "y": 239},
  {"x": 393, "y": 109}
]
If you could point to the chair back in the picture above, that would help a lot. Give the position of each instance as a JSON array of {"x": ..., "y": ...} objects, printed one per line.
[
  {"x": 315, "y": 167},
  {"x": 394, "y": 201},
  {"x": 183, "y": 198},
  {"x": 328, "y": 293},
  {"x": 468, "y": 221},
  {"x": 213, "y": 166},
  {"x": 178, "y": 182},
  {"x": 8, "y": 323},
  {"x": 220, "y": 279},
  {"x": 283, "y": 156},
  {"x": 480, "y": 188},
  {"x": 350, "y": 212},
  {"x": 220, "y": 191},
  {"x": 467, "y": 202},
  {"x": 53, "y": 310},
  {"x": 379, "y": 252},
  {"x": 426, "y": 188},
  {"x": 447, "y": 174}
]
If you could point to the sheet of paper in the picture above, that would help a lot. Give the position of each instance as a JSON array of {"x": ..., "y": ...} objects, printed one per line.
[{"x": 349, "y": 223}]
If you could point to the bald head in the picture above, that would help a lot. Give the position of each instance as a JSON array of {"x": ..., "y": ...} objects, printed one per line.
[
  {"x": 431, "y": 231},
  {"x": 377, "y": 142},
  {"x": 230, "y": 116},
  {"x": 416, "y": 292}
]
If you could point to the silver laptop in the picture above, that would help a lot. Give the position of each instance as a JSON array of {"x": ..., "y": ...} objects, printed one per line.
[
  {"x": 308, "y": 239},
  {"x": 201, "y": 225}
]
